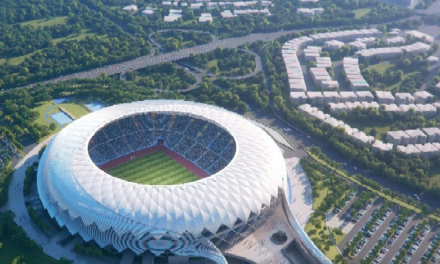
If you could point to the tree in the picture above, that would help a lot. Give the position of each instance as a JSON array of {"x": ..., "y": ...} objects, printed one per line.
[
  {"x": 425, "y": 209},
  {"x": 242, "y": 108}
]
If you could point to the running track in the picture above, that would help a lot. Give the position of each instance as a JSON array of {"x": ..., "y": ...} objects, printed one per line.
[{"x": 158, "y": 147}]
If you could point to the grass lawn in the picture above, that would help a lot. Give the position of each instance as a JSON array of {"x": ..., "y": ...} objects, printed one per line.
[
  {"x": 367, "y": 126},
  {"x": 212, "y": 63},
  {"x": 434, "y": 176},
  {"x": 78, "y": 37},
  {"x": 46, "y": 22},
  {"x": 42, "y": 108},
  {"x": 381, "y": 68},
  {"x": 16, "y": 60},
  {"x": 156, "y": 168},
  {"x": 358, "y": 13},
  {"x": 76, "y": 110},
  {"x": 9, "y": 251}
]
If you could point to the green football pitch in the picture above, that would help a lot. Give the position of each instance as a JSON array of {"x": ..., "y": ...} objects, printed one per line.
[{"x": 156, "y": 168}]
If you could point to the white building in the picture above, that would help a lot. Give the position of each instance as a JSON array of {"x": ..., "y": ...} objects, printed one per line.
[
  {"x": 420, "y": 36},
  {"x": 205, "y": 17},
  {"x": 404, "y": 98},
  {"x": 347, "y": 96},
  {"x": 409, "y": 150},
  {"x": 331, "y": 97},
  {"x": 337, "y": 107},
  {"x": 374, "y": 105},
  {"x": 318, "y": 10},
  {"x": 392, "y": 108},
  {"x": 416, "y": 136},
  {"x": 384, "y": 97},
  {"x": 364, "y": 96},
  {"x": 357, "y": 45},
  {"x": 381, "y": 146},
  {"x": 427, "y": 109},
  {"x": 408, "y": 107},
  {"x": 352, "y": 106},
  {"x": 398, "y": 137},
  {"x": 305, "y": 12},
  {"x": 316, "y": 98},
  {"x": 394, "y": 40},
  {"x": 130, "y": 8},
  {"x": 333, "y": 44},
  {"x": 428, "y": 150},
  {"x": 422, "y": 96},
  {"x": 298, "y": 98},
  {"x": 432, "y": 133},
  {"x": 392, "y": 52},
  {"x": 432, "y": 59},
  {"x": 319, "y": 115},
  {"x": 226, "y": 14},
  {"x": 362, "y": 139},
  {"x": 306, "y": 110}
]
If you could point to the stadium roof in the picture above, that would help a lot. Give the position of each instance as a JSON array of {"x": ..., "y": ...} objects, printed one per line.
[{"x": 71, "y": 186}]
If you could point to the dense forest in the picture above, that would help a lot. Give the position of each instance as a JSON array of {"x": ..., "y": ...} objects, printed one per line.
[
  {"x": 73, "y": 38},
  {"x": 174, "y": 39},
  {"x": 224, "y": 62}
]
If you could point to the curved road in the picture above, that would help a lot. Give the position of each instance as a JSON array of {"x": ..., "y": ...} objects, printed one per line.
[{"x": 148, "y": 60}]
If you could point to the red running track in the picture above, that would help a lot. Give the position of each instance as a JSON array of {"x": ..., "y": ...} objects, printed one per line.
[{"x": 158, "y": 147}]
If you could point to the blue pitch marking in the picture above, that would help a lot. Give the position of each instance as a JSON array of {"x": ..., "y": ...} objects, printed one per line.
[
  {"x": 95, "y": 106},
  {"x": 290, "y": 189},
  {"x": 61, "y": 118},
  {"x": 61, "y": 100},
  {"x": 45, "y": 114}
]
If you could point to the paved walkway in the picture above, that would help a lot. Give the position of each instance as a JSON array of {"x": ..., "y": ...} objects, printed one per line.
[
  {"x": 274, "y": 134},
  {"x": 301, "y": 201},
  {"x": 16, "y": 204}
]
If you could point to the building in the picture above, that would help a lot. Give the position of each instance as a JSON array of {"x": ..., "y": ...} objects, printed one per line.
[
  {"x": 298, "y": 98},
  {"x": 370, "y": 105},
  {"x": 155, "y": 219},
  {"x": 148, "y": 11},
  {"x": 205, "y": 17},
  {"x": 173, "y": 16},
  {"x": 331, "y": 97},
  {"x": 319, "y": 115},
  {"x": 416, "y": 136},
  {"x": 365, "y": 96},
  {"x": 409, "y": 150},
  {"x": 428, "y": 150},
  {"x": 384, "y": 97},
  {"x": 392, "y": 108},
  {"x": 347, "y": 96},
  {"x": 432, "y": 60},
  {"x": 420, "y": 36},
  {"x": 305, "y": 12},
  {"x": 404, "y": 98},
  {"x": 381, "y": 146},
  {"x": 362, "y": 139},
  {"x": 398, "y": 137},
  {"x": 408, "y": 107},
  {"x": 337, "y": 107},
  {"x": 333, "y": 44},
  {"x": 352, "y": 106},
  {"x": 353, "y": 74},
  {"x": 393, "y": 52},
  {"x": 226, "y": 14},
  {"x": 427, "y": 109},
  {"x": 421, "y": 97},
  {"x": 130, "y": 8},
  {"x": 357, "y": 45},
  {"x": 432, "y": 133},
  {"x": 394, "y": 40},
  {"x": 306, "y": 110},
  {"x": 316, "y": 98}
]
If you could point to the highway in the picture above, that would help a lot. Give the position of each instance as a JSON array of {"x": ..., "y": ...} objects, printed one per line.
[{"x": 149, "y": 60}]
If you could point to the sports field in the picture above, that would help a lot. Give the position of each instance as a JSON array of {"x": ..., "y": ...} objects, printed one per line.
[{"x": 156, "y": 168}]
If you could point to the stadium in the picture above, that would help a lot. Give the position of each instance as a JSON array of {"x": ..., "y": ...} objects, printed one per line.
[{"x": 165, "y": 178}]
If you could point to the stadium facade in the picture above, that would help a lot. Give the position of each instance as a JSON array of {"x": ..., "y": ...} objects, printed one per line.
[{"x": 182, "y": 220}]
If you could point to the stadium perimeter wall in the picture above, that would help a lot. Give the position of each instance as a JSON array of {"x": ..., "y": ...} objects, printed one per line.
[{"x": 302, "y": 241}]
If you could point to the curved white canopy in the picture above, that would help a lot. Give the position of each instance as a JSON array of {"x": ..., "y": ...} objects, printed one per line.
[{"x": 70, "y": 183}]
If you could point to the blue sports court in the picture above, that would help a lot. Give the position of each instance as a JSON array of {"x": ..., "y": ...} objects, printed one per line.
[
  {"x": 61, "y": 118},
  {"x": 95, "y": 106}
]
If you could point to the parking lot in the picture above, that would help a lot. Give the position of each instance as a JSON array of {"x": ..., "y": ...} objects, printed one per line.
[{"x": 378, "y": 231}]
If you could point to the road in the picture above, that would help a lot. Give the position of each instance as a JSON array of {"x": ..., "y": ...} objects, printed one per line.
[
  {"x": 375, "y": 238},
  {"x": 149, "y": 60},
  {"x": 357, "y": 228},
  {"x": 397, "y": 246}
]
